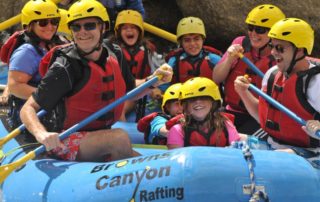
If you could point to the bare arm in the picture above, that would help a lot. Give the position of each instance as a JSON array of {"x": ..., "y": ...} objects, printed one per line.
[
  {"x": 28, "y": 115},
  {"x": 222, "y": 69},
  {"x": 241, "y": 85},
  {"x": 18, "y": 84},
  {"x": 165, "y": 72}
]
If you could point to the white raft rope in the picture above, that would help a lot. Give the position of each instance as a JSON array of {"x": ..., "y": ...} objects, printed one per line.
[{"x": 256, "y": 195}]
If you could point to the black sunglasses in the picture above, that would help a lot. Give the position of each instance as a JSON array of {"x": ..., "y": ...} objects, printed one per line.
[
  {"x": 279, "y": 48},
  {"x": 258, "y": 29},
  {"x": 45, "y": 22},
  {"x": 89, "y": 26}
]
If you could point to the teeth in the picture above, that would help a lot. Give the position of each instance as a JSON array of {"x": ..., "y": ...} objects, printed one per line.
[{"x": 198, "y": 107}]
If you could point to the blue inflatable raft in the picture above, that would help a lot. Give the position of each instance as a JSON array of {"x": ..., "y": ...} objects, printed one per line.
[{"x": 186, "y": 174}]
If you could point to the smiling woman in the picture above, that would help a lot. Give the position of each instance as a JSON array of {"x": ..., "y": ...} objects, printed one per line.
[{"x": 24, "y": 49}]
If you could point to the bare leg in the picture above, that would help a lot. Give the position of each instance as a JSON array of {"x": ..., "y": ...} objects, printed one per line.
[
  {"x": 128, "y": 106},
  {"x": 102, "y": 144}
]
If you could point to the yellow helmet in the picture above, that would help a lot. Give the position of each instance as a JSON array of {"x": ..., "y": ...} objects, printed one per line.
[
  {"x": 172, "y": 93},
  {"x": 190, "y": 25},
  {"x": 198, "y": 87},
  {"x": 63, "y": 25},
  {"x": 294, "y": 30},
  {"x": 38, "y": 9},
  {"x": 265, "y": 15},
  {"x": 131, "y": 17},
  {"x": 87, "y": 8}
]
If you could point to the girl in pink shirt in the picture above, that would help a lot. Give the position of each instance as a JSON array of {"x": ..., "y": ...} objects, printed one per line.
[{"x": 204, "y": 124}]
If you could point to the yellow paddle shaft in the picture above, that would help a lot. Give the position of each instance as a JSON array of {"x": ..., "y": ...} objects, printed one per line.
[
  {"x": 6, "y": 170},
  {"x": 160, "y": 32},
  {"x": 10, "y": 136}
]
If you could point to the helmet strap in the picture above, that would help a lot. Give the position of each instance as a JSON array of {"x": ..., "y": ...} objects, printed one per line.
[
  {"x": 263, "y": 47},
  {"x": 294, "y": 61}
]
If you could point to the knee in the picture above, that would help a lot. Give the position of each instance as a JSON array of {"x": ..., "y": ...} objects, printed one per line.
[{"x": 121, "y": 136}]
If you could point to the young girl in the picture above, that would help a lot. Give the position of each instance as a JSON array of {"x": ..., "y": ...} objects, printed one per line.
[
  {"x": 204, "y": 124},
  {"x": 139, "y": 52}
]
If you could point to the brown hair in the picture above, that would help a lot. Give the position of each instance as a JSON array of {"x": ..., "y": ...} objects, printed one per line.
[{"x": 214, "y": 118}]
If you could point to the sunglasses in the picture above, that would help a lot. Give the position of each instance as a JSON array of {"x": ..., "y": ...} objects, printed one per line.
[
  {"x": 45, "y": 22},
  {"x": 89, "y": 26},
  {"x": 279, "y": 48},
  {"x": 258, "y": 29}
]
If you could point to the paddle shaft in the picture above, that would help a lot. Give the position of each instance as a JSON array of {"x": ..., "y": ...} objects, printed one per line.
[
  {"x": 18, "y": 130},
  {"x": 251, "y": 65},
  {"x": 160, "y": 32},
  {"x": 5, "y": 170},
  {"x": 101, "y": 112},
  {"x": 279, "y": 106}
]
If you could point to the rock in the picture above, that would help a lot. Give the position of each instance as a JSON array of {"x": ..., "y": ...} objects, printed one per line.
[{"x": 224, "y": 20}]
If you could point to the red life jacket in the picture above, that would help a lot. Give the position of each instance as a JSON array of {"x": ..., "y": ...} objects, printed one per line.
[
  {"x": 264, "y": 63},
  {"x": 50, "y": 56},
  {"x": 15, "y": 40},
  {"x": 174, "y": 120},
  {"x": 104, "y": 86},
  {"x": 193, "y": 137},
  {"x": 144, "y": 126},
  {"x": 184, "y": 69},
  {"x": 291, "y": 94},
  {"x": 21, "y": 37},
  {"x": 180, "y": 50},
  {"x": 138, "y": 59}
]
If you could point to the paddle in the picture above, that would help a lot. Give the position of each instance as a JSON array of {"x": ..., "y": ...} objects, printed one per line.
[
  {"x": 160, "y": 32},
  {"x": 5, "y": 170},
  {"x": 280, "y": 107},
  {"x": 18, "y": 130},
  {"x": 251, "y": 65}
]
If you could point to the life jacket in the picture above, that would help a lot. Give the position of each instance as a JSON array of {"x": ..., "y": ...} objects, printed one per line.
[
  {"x": 15, "y": 40},
  {"x": 291, "y": 93},
  {"x": 194, "y": 137},
  {"x": 144, "y": 126},
  {"x": 184, "y": 69},
  {"x": 104, "y": 86},
  {"x": 241, "y": 68},
  {"x": 49, "y": 57},
  {"x": 174, "y": 120},
  {"x": 21, "y": 37},
  {"x": 138, "y": 59}
]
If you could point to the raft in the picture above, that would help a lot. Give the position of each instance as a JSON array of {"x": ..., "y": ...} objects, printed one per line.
[{"x": 186, "y": 174}]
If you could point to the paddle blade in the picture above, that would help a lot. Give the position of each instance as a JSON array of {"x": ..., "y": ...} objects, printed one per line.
[{"x": 6, "y": 170}]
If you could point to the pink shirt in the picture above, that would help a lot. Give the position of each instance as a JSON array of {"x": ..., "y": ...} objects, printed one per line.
[
  {"x": 237, "y": 40},
  {"x": 176, "y": 134}
]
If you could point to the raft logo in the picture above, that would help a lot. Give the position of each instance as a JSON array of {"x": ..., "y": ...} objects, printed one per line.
[
  {"x": 121, "y": 180},
  {"x": 137, "y": 176},
  {"x": 133, "y": 161},
  {"x": 162, "y": 193}
]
